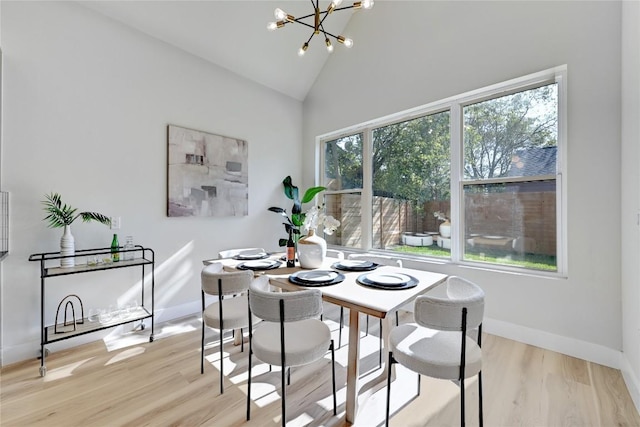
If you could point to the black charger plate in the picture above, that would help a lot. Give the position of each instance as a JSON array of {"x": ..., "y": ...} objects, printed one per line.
[
  {"x": 411, "y": 282},
  {"x": 248, "y": 265},
  {"x": 301, "y": 281}
]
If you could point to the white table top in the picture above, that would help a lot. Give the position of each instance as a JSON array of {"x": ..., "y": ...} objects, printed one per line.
[{"x": 349, "y": 293}]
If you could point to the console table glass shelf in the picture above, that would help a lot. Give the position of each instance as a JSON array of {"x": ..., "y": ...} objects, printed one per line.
[{"x": 144, "y": 258}]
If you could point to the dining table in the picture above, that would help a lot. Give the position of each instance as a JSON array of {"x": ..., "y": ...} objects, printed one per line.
[{"x": 353, "y": 290}]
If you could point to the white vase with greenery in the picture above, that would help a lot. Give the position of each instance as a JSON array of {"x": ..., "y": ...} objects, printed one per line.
[
  {"x": 62, "y": 215},
  {"x": 312, "y": 249}
]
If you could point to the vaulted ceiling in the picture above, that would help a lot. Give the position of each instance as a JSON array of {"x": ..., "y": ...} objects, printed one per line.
[{"x": 234, "y": 35}]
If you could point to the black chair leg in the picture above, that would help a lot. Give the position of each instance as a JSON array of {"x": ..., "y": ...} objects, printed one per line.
[
  {"x": 202, "y": 351},
  {"x": 381, "y": 346},
  {"x": 341, "y": 324},
  {"x": 241, "y": 340},
  {"x": 480, "y": 397},
  {"x": 418, "y": 384},
  {"x": 397, "y": 318},
  {"x": 333, "y": 378},
  {"x": 249, "y": 388},
  {"x": 221, "y": 366},
  {"x": 289, "y": 375},
  {"x": 283, "y": 366},
  {"x": 367, "y": 332},
  {"x": 284, "y": 397},
  {"x": 386, "y": 422},
  {"x": 462, "y": 402}
]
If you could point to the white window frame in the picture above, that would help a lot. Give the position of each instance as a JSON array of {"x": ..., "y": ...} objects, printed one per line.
[{"x": 455, "y": 105}]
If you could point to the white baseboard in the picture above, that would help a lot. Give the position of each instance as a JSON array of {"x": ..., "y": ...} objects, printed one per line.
[
  {"x": 572, "y": 347},
  {"x": 631, "y": 380}
]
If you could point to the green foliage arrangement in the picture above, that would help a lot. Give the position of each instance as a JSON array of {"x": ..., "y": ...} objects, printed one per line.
[
  {"x": 60, "y": 214},
  {"x": 297, "y": 216}
]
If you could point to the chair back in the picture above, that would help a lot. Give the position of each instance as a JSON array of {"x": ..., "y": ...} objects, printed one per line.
[
  {"x": 231, "y": 282},
  {"x": 445, "y": 312},
  {"x": 228, "y": 253},
  {"x": 335, "y": 253},
  {"x": 378, "y": 259},
  {"x": 298, "y": 305}
]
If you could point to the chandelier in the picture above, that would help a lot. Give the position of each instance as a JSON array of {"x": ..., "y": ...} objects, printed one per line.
[{"x": 318, "y": 16}]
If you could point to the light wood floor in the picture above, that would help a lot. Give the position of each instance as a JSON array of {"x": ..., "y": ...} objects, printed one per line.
[{"x": 135, "y": 383}]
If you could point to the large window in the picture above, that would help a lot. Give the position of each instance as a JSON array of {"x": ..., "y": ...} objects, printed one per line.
[
  {"x": 344, "y": 181},
  {"x": 472, "y": 179},
  {"x": 411, "y": 178},
  {"x": 509, "y": 178}
]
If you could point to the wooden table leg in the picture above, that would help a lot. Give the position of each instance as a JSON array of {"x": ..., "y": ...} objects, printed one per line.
[
  {"x": 374, "y": 384},
  {"x": 353, "y": 366}
]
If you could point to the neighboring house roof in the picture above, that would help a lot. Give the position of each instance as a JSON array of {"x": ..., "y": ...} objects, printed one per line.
[{"x": 533, "y": 161}]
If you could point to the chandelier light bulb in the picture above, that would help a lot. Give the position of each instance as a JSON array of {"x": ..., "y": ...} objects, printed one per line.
[
  {"x": 303, "y": 49},
  {"x": 367, "y": 4},
  {"x": 333, "y": 5},
  {"x": 346, "y": 42},
  {"x": 272, "y": 26},
  {"x": 329, "y": 45},
  {"x": 279, "y": 14}
]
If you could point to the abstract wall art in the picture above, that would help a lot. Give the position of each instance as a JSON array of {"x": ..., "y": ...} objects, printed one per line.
[{"x": 207, "y": 174}]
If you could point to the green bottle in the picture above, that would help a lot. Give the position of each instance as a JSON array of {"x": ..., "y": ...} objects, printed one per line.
[{"x": 115, "y": 246}]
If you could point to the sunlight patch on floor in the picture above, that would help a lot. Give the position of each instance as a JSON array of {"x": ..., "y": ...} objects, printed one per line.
[
  {"x": 64, "y": 371},
  {"x": 264, "y": 394},
  {"x": 300, "y": 420},
  {"x": 121, "y": 337},
  {"x": 126, "y": 354}
]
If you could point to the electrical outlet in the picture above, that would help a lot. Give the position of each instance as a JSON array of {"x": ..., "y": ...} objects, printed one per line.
[{"x": 115, "y": 223}]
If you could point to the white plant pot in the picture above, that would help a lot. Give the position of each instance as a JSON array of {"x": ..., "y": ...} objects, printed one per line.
[
  {"x": 67, "y": 247},
  {"x": 445, "y": 229},
  {"x": 312, "y": 250}
]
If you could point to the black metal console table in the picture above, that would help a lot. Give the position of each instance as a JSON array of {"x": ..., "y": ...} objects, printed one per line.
[{"x": 49, "y": 267}]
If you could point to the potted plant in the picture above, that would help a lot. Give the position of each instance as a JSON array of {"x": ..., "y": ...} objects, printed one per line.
[
  {"x": 295, "y": 222},
  {"x": 445, "y": 227},
  {"x": 63, "y": 215},
  {"x": 312, "y": 248}
]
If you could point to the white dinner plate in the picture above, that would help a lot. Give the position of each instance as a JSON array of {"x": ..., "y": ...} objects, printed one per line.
[
  {"x": 251, "y": 255},
  {"x": 316, "y": 276},
  {"x": 388, "y": 278},
  {"x": 493, "y": 237},
  {"x": 263, "y": 263}
]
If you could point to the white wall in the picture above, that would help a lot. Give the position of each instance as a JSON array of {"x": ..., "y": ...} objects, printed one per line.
[
  {"x": 631, "y": 197},
  {"x": 411, "y": 53},
  {"x": 87, "y": 102}
]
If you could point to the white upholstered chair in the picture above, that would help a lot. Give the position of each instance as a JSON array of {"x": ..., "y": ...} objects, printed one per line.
[
  {"x": 228, "y": 253},
  {"x": 290, "y": 334},
  {"x": 231, "y": 308},
  {"x": 439, "y": 344}
]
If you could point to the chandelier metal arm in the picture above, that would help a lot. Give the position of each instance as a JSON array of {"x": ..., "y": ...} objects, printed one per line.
[{"x": 313, "y": 28}]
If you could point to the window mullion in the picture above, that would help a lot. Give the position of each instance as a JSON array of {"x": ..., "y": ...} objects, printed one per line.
[
  {"x": 367, "y": 189},
  {"x": 457, "y": 219}
]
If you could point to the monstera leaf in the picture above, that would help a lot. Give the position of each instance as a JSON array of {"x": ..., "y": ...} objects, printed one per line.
[{"x": 295, "y": 221}]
